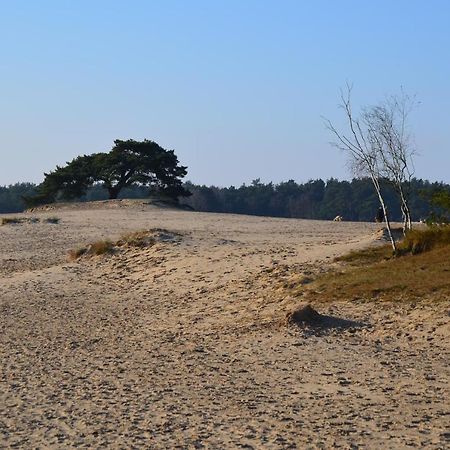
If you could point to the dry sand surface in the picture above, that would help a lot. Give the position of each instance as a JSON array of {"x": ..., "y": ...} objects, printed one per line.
[{"x": 183, "y": 344}]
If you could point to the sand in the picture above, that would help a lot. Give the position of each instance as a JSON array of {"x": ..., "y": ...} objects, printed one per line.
[{"x": 184, "y": 344}]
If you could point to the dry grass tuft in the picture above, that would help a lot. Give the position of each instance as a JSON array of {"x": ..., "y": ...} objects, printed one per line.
[
  {"x": 367, "y": 256},
  {"x": 100, "y": 248},
  {"x": 18, "y": 220},
  {"x": 94, "y": 249},
  {"x": 139, "y": 239},
  {"x": 12, "y": 220},
  {"x": 75, "y": 254}
]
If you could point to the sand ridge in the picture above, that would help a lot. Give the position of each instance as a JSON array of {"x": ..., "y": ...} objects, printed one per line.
[{"x": 180, "y": 345}]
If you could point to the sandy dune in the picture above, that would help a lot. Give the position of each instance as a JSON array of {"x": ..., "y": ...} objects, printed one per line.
[{"x": 183, "y": 345}]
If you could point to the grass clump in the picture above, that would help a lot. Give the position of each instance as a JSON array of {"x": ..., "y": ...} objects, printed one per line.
[
  {"x": 139, "y": 239},
  {"x": 94, "y": 249},
  {"x": 367, "y": 256},
  {"x": 19, "y": 220},
  {"x": 77, "y": 253},
  {"x": 101, "y": 247},
  {"x": 419, "y": 241},
  {"x": 11, "y": 220}
]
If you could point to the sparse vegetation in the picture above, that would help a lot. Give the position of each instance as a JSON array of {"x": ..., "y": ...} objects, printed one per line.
[
  {"x": 94, "y": 249},
  {"x": 137, "y": 239},
  {"x": 52, "y": 220},
  {"x": 367, "y": 256},
  {"x": 419, "y": 241},
  {"x": 19, "y": 220},
  {"x": 422, "y": 271},
  {"x": 11, "y": 220}
]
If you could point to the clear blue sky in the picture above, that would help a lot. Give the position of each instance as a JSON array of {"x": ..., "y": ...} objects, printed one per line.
[{"x": 237, "y": 88}]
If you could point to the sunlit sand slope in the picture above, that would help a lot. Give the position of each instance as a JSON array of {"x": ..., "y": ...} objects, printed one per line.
[{"x": 184, "y": 343}]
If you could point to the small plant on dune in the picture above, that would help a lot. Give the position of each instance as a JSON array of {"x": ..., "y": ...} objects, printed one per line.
[
  {"x": 94, "y": 249},
  {"x": 101, "y": 247},
  {"x": 138, "y": 239},
  {"x": 74, "y": 254},
  {"x": 11, "y": 220},
  {"x": 18, "y": 220},
  {"x": 52, "y": 220}
]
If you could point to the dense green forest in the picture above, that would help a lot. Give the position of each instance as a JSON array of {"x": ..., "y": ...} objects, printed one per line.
[{"x": 354, "y": 200}]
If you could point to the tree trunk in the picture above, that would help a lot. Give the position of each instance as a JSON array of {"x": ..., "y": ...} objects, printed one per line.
[
  {"x": 406, "y": 213},
  {"x": 113, "y": 192},
  {"x": 386, "y": 217}
]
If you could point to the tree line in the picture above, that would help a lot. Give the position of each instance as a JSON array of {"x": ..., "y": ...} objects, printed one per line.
[{"x": 355, "y": 200}]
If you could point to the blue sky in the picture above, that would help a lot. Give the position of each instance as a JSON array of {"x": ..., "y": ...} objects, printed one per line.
[{"x": 237, "y": 88}]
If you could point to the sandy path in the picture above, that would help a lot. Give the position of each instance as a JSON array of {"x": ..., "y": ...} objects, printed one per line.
[{"x": 180, "y": 345}]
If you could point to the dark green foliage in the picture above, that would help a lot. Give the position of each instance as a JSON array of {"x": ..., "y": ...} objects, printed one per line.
[
  {"x": 11, "y": 197},
  {"x": 129, "y": 163},
  {"x": 355, "y": 200},
  {"x": 441, "y": 200}
]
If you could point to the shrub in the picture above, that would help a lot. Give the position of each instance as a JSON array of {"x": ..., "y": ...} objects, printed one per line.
[{"x": 418, "y": 241}]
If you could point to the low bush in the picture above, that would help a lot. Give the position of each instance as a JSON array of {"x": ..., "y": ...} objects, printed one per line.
[{"x": 422, "y": 240}]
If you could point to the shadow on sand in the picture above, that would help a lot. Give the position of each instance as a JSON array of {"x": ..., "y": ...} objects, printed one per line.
[{"x": 306, "y": 317}]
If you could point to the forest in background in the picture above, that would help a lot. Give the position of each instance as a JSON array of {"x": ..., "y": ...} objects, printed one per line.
[{"x": 355, "y": 200}]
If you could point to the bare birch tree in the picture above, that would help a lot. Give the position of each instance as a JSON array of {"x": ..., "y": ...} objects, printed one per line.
[
  {"x": 390, "y": 137},
  {"x": 362, "y": 143}
]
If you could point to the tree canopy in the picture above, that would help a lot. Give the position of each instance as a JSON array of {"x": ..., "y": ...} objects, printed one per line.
[{"x": 128, "y": 163}]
